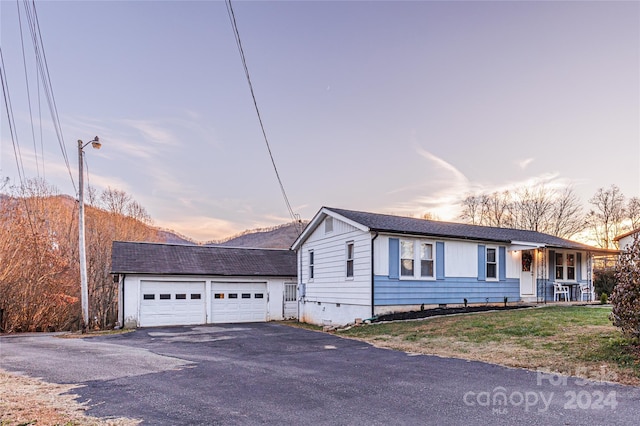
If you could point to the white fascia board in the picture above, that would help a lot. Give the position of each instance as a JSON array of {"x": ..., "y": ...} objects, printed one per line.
[
  {"x": 523, "y": 245},
  {"x": 317, "y": 220}
]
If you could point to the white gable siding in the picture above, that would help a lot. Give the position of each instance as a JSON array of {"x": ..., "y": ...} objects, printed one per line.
[
  {"x": 330, "y": 283},
  {"x": 461, "y": 259}
]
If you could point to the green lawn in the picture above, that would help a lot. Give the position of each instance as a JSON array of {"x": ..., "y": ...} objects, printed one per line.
[{"x": 574, "y": 340}]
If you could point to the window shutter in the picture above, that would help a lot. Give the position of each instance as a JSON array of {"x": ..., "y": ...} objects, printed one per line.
[
  {"x": 482, "y": 263},
  {"x": 502, "y": 267},
  {"x": 579, "y": 267},
  {"x": 552, "y": 265},
  {"x": 439, "y": 260},
  {"x": 394, "y": 258}
]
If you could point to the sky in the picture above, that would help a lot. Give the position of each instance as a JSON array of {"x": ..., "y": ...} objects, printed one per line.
[{"x": 387, "y": 107}]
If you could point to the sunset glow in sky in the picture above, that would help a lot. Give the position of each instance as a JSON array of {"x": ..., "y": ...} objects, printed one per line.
[{"x": 389, "y": 107}]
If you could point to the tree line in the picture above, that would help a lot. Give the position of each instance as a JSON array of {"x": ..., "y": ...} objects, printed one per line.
[
  {"x": 558, "y": 212},
  {"x": 39, "y": 263}
]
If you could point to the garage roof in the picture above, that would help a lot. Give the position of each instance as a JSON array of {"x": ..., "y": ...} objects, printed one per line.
[{"x": 177, "y": 259}]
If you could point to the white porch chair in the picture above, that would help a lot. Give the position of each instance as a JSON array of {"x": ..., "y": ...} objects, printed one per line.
[
  {"x": 560, "y": 290},
  {"x": 585, "y": 290}
]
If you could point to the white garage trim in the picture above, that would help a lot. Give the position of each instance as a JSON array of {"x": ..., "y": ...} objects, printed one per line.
[
  {"x": 233, "y": 302},
  {"x": 172, "y": 303}
]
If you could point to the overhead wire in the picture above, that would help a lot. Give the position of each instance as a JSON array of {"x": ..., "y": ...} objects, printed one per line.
[
  {"x": 26, "y": 80},
  {"x": 43, "y": 68},
  {"x": 11, "y": 120},
  {"x": 14, "y": 139},
  {"x": 294, "y": 217}
]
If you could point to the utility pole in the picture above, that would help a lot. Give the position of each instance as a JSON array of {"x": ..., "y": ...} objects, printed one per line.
[{"x": 84, "y": 287}]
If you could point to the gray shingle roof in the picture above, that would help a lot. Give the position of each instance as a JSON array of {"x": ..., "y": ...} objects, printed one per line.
[
  {"x": 407, "y": 225},
  {"x": 174, "y": 259}
]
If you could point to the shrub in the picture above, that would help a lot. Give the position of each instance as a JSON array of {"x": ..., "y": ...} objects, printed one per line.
[
  {"x": 604, "y": 298},
  {"x": 604, "y": 281},
  {"x": 625, "y": 297}
]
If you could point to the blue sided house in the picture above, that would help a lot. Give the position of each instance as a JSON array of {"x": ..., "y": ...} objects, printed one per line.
[{"x": 356, "y": 265}]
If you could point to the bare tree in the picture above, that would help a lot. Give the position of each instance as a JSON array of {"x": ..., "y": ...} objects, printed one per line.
[
  {"x": 535, "y": 208},
  {"x": 472, "y": 209},
  {"x": 115, "y": 200},
  {"x": 633, "y": 212},
  {"x": 567, "y": 217},
  {"x": 39, "y": 273},
  {"x": 605, "y": 220}
]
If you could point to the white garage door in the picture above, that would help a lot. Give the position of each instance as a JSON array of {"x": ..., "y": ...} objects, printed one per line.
[
  {"x": 238, "y": 302},
  {"x": 171, "y": 303}
]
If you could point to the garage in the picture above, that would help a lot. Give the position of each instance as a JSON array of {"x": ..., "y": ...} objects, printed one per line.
[
  {"x": 238, "y": 302},
  {"x": 172, "y": 303},
  {"x": 174, "y": 284}
]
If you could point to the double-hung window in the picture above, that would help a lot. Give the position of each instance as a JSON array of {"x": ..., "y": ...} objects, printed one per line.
[
  {"x": 349, "y": 265},
  {"x": 311, "y": 264},
  {"x": 571, "y": 266},
  {"x": 426, "y": 260},
  {"x": 406, "y": 258},
  {"x": 559, "y": 266},
  {"x": 492, "y": 263},
  {"x": 417, "y": 259},
  {"x": 565, "y": 266}
]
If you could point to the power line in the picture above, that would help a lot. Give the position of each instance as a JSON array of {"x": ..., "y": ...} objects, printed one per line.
[
  {"x": 232, "y": 18},
  {"x": 43, "y": 68}
]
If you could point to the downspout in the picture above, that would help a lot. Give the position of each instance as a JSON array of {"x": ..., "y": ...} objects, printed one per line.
[
  {"x": 300, "y": 296},
  {"x": 122, "y": 298},
  {"x": 372, "y": 275}
]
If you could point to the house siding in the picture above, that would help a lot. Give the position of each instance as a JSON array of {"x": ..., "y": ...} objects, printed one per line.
[
  {"x": 331, "y": 296},
  {"x": 453, "y": 290}
]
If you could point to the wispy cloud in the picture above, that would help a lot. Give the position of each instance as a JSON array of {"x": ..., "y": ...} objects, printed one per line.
[
  {"x": 523, "y": 164},
  {"x": 443, "y": 188}
]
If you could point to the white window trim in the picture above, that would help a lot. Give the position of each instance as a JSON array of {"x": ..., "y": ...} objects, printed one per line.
[
  {"x": 417, "y": 258},
  {"x": 486, "y": 263},
  {"x": 311, "y": 253},
  {"x": 353, "y": 263},
  {"x": 565, "y": 267}
]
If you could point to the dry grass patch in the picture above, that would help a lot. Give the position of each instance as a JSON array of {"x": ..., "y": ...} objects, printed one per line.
[
  {"x": 577, "y": 341},
  {"x": 26, "y": 401}
]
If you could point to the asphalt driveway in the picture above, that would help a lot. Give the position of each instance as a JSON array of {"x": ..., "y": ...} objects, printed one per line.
[{"x": 269, "y": 373}]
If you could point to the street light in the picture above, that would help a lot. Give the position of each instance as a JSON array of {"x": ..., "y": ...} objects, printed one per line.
[{"x": 84, "y": 288}]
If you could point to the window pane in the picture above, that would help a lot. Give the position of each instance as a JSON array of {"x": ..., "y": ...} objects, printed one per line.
[
  {"x": 571, "y": 273},
  {"x": 559, "y": 259},
  {"x": 246, "y": 295},
  {"x": 491, "y": 270},
  {"x": 406, "y": 249},
  {"x": 165, "y": 296},
  {"x": 258, "y": 296},
  {"x": 427, "y": 251},
  {"x": 149, "y": 297},
  {"x": 233, "y": 295},
  {"x": 491, "y": 255},
  {"x": 570, "y": 260},
  {"x": 406, "y": 267},
  {"x": 349, "y": 268},
  {"x": 181, "y": 296},
  {"x": 195, "y": 296},
  {"x": 219, "y": 296},
  {"x": 426, "y": 268},
  {"x": 350, "y": 251},
  {"x": 559, "y": 273}
]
